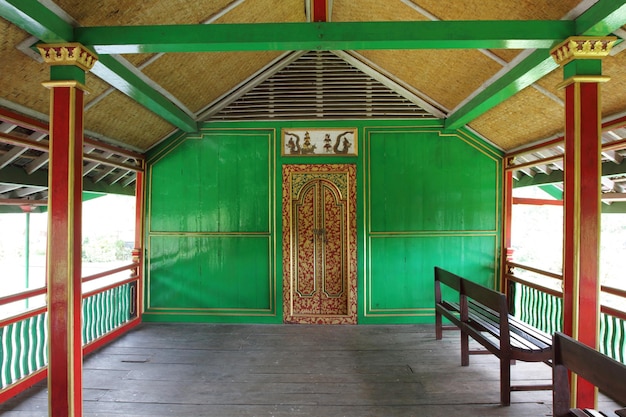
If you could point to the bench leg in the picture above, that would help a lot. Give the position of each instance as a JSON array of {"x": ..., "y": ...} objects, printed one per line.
[
  {"x": 505, "y": 381},
  {"x": 464, "y": 349},
  {"x": 438, "y": 326}
]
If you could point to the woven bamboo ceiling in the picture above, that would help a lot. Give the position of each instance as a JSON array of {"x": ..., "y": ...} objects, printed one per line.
[{"x": 166, "y": 66}]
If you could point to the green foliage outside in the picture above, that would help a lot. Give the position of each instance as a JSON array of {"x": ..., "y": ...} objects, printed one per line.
[{"x": 105, "y": 249}]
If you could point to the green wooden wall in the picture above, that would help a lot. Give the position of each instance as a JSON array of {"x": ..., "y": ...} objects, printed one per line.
[{"x": 214, "y": 219}]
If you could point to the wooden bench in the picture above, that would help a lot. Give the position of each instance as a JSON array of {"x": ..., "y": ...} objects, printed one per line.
[
  {"x": 482, "y": 313},
  {"x": 600, "y": 370}
]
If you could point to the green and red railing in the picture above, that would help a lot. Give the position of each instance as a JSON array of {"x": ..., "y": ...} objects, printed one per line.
[
  {"x": 536, "y": 297},
  {"x": 108, "y": 310}
]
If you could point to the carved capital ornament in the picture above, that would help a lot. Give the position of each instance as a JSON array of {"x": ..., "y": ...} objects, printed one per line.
[
  {"x": 582, "y": 47},
  {"x": 68, "y": 54}
]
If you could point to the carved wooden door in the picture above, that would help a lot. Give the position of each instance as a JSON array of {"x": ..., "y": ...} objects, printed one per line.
[{"x": 321, "y": 273}]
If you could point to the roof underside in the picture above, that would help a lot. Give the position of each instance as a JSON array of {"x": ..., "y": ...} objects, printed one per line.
[{"x": 166, "y": 66}]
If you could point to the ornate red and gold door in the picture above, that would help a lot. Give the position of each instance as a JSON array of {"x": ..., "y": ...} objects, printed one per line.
[{"x": 319, "y": 244}]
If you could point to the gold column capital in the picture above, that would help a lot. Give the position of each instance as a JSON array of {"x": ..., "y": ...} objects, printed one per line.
[
  {"x": 68, "y": 54},
  {"x": 582, "y": 47}
]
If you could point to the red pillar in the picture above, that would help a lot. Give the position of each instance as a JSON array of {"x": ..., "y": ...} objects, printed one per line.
[
  {"x": 580, "y": 58},
  {"x": 137, "y": 253},
  {"x": 507, "y": 214},
  {"x": 70, "y": 61},
  {"x": 320, "y": 10}
]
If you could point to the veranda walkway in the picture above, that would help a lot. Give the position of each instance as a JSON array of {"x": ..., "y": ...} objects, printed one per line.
[{"x": 292, "y": 370}]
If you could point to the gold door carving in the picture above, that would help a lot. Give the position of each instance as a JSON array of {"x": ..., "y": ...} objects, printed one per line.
[{"x": 319, "y": 244}]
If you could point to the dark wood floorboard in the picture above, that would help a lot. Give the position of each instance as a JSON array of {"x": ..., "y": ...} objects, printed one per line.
[{"x": 223, "y": 370}]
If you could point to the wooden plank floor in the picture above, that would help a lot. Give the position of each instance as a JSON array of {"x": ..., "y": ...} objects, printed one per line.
[{"x": 291, "y": 370}]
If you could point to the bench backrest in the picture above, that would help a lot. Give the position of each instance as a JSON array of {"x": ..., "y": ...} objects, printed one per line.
[
  {"x": 604, "y": 372},
  {"x": 489, "y": 298},
  {"x": 448, "y": 278}
]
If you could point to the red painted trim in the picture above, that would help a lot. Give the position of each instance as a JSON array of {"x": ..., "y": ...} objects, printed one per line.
[
  {"x": 76, "y": 355},
  {"x": 111, "y": 336},
  {"x": 537, "y": 201},
  {"x": 614, "y": 124},
  {"x": 139, "y": 209},
  {"x": 589, "y": 214},
  {"x": 568, "y": 214},
  {"x": 23, "y": 384},
  {"x": 320, "y": 11},
  {"x": 116, "y": 150},
  {"x": 43, "y": 127},
  {"x": 613, "y": 312},
  {"x": 22, "y": 295},
  {"x": 10, "y": 139},
  {"x": 20, "y": 202},
  {"x": 41, "y": 374},
  {"x": 107, "y": 273},
  {"x": 9, "y": 116},
  {"x": 613, "y": 291},
  {"x": 608, "y": 125},
  {"x": 544, "y": 145},
  {"x": 507, "y": 215},
  {"x": 140, "y": 198},
  {"x": 20, "y": 317},
  {"x": 109, "y": 287}
]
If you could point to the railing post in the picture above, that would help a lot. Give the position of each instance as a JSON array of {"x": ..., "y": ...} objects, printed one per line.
[
  {"x": 137, "y": 253},
  {"x": 509, "y": 285}
]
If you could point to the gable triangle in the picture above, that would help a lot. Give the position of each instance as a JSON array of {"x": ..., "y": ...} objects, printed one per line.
[{"x": 319, "y": 84}]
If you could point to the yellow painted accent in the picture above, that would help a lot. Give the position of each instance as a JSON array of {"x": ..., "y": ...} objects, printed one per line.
[
  {"x": 48, "y": 246},
  {"x": 72, "y": 273},
  {"x": 68, "y": 83},
  {"x": 576, "y": 202},
  {"x": 583, "y": 79}
]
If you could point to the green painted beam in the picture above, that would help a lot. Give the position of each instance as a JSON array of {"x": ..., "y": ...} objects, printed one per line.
[
  {"x": 609, "y": 169},
  {"x": 325, "y": 36},
  {"x": 36, "y": 19},
  {"x": 552, "y": 191},
  {"x": 539, "y": 179},
  {"x": 599, "y": 20},
  {"x": 532, "y": 68},
  {"x": 615, "y": 207},
  {"x": 602, "y": 19},
  {"x": 15, "y": 175}
]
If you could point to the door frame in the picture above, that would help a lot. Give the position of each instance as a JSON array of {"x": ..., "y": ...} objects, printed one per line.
[{"x": 294, "y": 177}]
